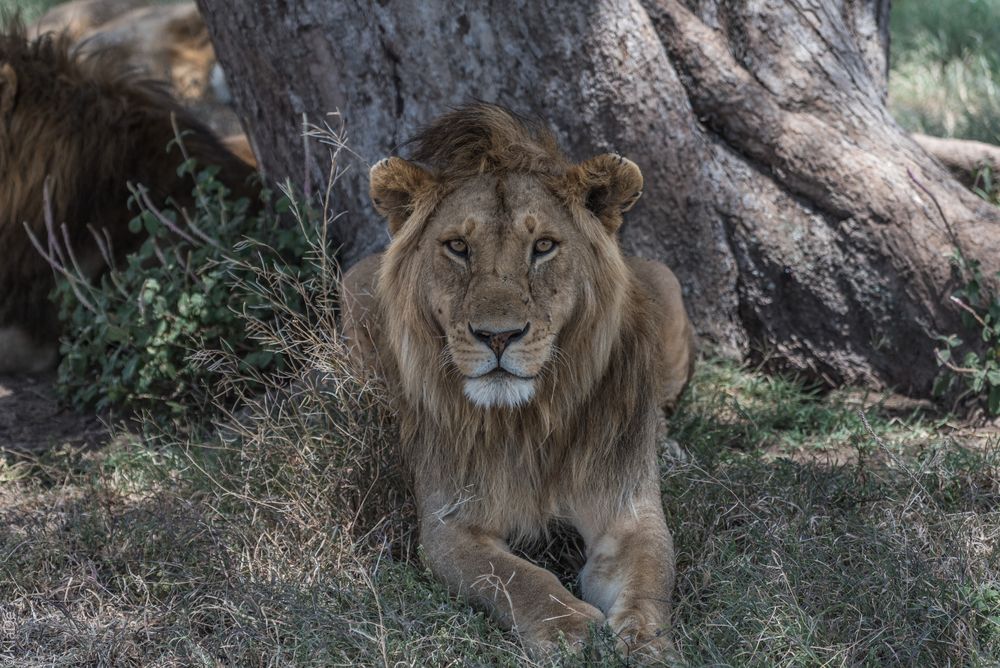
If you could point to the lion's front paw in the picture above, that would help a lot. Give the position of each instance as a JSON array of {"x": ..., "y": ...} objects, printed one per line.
[
  {"x": 571, "y": 629},
  {"x": 641, "y": 637}
]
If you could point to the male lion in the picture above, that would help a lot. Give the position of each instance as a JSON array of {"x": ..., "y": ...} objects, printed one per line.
[
  {"x": 531, "y": 359},
  {"x": 89, "y": 125}
]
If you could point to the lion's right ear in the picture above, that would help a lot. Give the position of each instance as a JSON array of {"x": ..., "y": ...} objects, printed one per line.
[
  {"x": 8, "y": 90},
  {"x": 394, "y": 185}
]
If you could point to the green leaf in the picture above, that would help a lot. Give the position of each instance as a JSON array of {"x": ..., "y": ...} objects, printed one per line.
[
  {"x": 942, "y": 384},
  {"x": 993, "y": 404},
  {"x": 187, "y": 167},
  {"x": 150, "y": 222}
]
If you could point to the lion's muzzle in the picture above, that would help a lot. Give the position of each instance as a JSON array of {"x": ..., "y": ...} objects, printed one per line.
[
  {"x": 499, "y": 340},
  {"x": 500, "y": 379}
]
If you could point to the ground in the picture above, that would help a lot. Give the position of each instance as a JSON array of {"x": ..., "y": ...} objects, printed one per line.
[
  {"x": 811, "y": 529},
  {"x": 32, "y": 419}
]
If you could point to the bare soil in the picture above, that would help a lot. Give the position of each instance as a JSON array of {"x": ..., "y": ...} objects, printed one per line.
[{"x": 33, "y": 419}]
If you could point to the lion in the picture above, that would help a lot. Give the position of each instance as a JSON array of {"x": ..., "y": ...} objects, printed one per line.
[
  {"x": 166, "y": 41},
  {"x": 88, "y": 125},
  {"x": 530, "y": 360}
]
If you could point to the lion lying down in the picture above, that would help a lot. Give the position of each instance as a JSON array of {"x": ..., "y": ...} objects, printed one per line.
[{"x": 531, "y": 359}]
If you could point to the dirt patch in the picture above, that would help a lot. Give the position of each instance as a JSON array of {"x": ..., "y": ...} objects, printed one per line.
[{"x": 33, "y": 419}]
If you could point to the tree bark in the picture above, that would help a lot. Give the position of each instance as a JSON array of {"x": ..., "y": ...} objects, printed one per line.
[
  {"x": 962, "y": 157},
  {"x": 778, "y": 187}
]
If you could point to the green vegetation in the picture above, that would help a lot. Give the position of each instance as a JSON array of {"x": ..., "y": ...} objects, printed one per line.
[
  {"x": 979, "y": 364},
  {"x": 986, "y": 186},
  {"x": 135, "y": 331},
  {"x": 945, "y": 76},
  {"x": 975, "y": 362},
  {"x": 32, "y": 10}
]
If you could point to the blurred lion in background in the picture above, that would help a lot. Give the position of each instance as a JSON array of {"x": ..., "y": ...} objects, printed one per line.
[
  {"x": 89, "y": 124},
  {"x": 169, "y": 42}
]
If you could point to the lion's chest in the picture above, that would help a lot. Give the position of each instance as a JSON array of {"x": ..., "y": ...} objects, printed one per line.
[{"x": 512, "y": 486}]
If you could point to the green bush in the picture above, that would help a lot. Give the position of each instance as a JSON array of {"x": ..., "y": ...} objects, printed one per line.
[
  {"x": 978, "y": 366},
  {"x": 976, "y": 363},
  {"x": 135, "y": 335}
]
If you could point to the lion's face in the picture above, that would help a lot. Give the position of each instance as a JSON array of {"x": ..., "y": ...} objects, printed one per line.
[
  {"x": 495, "y": 267},
  {"x": 500, "y": 283}
]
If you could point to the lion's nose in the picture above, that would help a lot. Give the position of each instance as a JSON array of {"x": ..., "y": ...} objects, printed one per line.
[{"x": 498, "y": 341}]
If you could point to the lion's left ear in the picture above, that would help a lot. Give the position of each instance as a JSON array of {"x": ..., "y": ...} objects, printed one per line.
[
  {"x": 611, "y": 186},
  {"x": 8, "y": 90}
]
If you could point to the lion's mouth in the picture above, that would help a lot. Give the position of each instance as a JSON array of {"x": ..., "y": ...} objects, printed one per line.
[
  {"x": 499, "y": 374},
  {"x": 499, "y": 388}
]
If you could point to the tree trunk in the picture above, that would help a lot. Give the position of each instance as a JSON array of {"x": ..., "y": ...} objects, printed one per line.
[
  {"x": 964, "y": 158},
  {"x": 777, "y": 183}
]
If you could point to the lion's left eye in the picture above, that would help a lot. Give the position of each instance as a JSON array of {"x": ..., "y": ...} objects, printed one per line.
[{"x": 544, "y": 246}]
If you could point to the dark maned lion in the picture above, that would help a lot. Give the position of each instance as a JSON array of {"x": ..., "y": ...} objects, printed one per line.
[
  {"x": 92, "y": 126},
  {"x": 531, "y": 361}
]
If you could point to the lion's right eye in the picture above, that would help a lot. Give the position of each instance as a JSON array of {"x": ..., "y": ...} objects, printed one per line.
[{"x": 458, "y": 247}]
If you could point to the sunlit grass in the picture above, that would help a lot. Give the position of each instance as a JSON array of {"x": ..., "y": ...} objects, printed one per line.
[{"x": 945, "y": 76}]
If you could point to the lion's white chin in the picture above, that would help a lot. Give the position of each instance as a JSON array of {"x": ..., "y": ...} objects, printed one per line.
[{"x": 499, "y": 390}]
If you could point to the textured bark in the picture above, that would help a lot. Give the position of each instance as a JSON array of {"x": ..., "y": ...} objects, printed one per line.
[
  {"x": 777, "y": 184},
  {"x": 962, "y": 157}
]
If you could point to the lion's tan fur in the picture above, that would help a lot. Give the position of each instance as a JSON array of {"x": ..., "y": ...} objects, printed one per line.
[
  {"x": 90, "y": 126},
  {"x": 582, "y": 450}
]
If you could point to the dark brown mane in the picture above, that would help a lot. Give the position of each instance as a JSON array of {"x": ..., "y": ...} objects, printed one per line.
[
  {"x": 480, "y": 137},
  {"x": 40, "y": 60}
]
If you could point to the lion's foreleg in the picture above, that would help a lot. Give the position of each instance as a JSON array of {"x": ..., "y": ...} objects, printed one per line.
[
  {"x": 517, "y": 593},
  {"x": 629, "y": 574}
]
